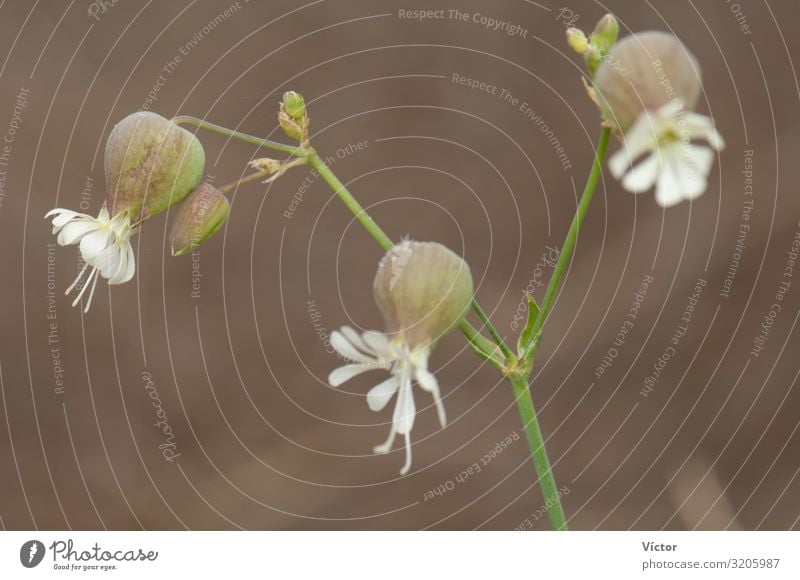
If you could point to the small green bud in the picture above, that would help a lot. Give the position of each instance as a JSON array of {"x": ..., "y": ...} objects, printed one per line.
[
  {"x": 151, "y": 164},
  {"x": 593, "y": 58},
  {"x": 198, "y": 218},
  {"x": 423, "y": 290},
  {"x": 294, "y": 105},
  {"x": 605, "y": 33},
  {"x": 577, "y": 40},
  {"x": 645, "y": 71}
]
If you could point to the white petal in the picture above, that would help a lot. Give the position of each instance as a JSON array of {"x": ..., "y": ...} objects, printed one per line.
[
  {"x": 639, "y": 139},
  {"x": 386, "y": 445},
  {"x": 345, "y": 348},
  {"x": 698, "y": 158},
  {"x": 130, "y": 267},
  {"x": 93, "y": 244},
  {"x": 668, "y": 191},
  {"x": 715, "y": 140},
  {"x": 643, "y": 176},
  {"x": 405, "y": 410},
  {"x": 426, "y": 380},
  {"x": 672, "y": 110},
  {"x": 108, "y": 261},
  {"x": 347, "y": 372},
  {"x": 57, "y": 211},
  {"x": 355, "y": 339},
  {"x": 378, "y": 342},
  {"x": 619, "y": 163},
  {"x": 74, "y": 231},
  {"x": 62, "y": 216},
  {"x": 695, "y": 174},
  {"x": 701, "y": 127},
  {"x": 379, "y": 395},
  {"x": 122, "y": 266},
  {"x": 683, "y": 175},
  {"x": 429, "y": 383}
]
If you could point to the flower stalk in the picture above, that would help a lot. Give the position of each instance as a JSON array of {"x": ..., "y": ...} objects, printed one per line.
[
  {"x": 516, "y": 368},
  {"x": 232, "y": 133},
  {"x": 528, "y": 350},
  {"x": 541, "y": 461},
  {"x": 246, "y": 179}
]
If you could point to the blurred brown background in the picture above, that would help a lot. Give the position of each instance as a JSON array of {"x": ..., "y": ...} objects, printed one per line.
[{"x": 240, "y": 368}]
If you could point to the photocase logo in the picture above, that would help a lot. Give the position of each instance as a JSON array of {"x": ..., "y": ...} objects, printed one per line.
[{"x": 31, "y": 553}]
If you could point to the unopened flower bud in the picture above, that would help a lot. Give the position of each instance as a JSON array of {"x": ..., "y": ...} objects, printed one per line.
[
  {"x": 151, "y": 163},
  {"x": 289, "y": 125},
  {"x": 198, "y": 218},
  {"x": 294, "y": 105},
  {"x": 423, "y": 290},
  {"x": 605, "y": 33},
  {"x": 577, "y": 40},
  {"x": 645, "y": 72},
  {"x": 266, "y": 165}
]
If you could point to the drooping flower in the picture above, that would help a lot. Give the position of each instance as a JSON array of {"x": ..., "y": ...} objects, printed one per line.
[
  {"x": 150, "y": 164},
  {"x": 643, "y": 72},
  {"x": 423, "y": 290},
  {"x": 676, "y": 166},
  {"x": 374, "y": 350},
  {"x": 647, "y": 87},
  {"x": 104, "y": 244}
]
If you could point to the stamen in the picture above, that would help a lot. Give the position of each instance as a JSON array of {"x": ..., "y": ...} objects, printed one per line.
[
  {"x": 85, "y": 285},
  {"x": 386, "y": 445},
  {"x": 407, "y": 466},
  {"x": 437, "y": 398},
  {"x": 91, "y": 294},
  {"x": 71, "y": 286}
]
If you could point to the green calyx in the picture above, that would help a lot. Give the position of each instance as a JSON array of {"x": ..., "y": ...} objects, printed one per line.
[
  {"x": 645, "y": 71},
  {"x": 423, "y": 291},
  {"x": 150, "y": 164},
  {"x": 198, "y": 218},
  {"x": 294, "y": 105}
]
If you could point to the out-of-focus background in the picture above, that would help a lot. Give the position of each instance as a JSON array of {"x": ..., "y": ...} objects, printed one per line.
[{"x": 230, "y": 343}]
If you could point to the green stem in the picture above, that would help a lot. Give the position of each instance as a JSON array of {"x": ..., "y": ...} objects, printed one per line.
[
  {"x": 258, "y": 141},
  {"x": 547, "y": 482},
  {"x": 569, "y": 245},
  {"x": 527, "y": 411},
  {"x": 509, "y": 356},
  {"x": 351, "y": 202},
  {"x": 247, "y": 179}
]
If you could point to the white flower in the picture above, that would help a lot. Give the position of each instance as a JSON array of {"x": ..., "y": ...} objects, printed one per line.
[
  {"x": 676, "y": 166},
  {"x": 104, "y": 244},
  {"x": 374, "y": 350}
]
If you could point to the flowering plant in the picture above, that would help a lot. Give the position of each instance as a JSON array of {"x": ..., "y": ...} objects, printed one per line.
[{"x": 646, "y": 87}]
